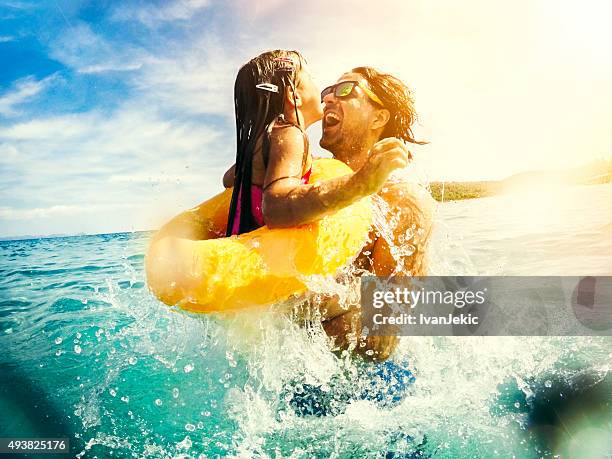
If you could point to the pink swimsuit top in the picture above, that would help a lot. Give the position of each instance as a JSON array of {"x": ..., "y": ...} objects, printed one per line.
[{"x": 256, "y": 204}]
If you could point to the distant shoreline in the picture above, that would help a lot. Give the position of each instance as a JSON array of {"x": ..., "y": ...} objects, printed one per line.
[
  {"x": 597, "y": 173},
  {"x": 459, "y": 191}
]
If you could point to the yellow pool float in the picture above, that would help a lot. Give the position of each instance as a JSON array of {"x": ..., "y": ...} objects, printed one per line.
[{"x": 205, "y": 272}]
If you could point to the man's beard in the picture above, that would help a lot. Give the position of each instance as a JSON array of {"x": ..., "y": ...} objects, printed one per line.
[{"x": 345, "y": 146}]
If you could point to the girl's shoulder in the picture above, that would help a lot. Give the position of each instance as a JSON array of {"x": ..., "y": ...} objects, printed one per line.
[
  {"x": 285, "y": 131},
  {"x": 285, "y": 138},
  {"x": 281, "y": 125}
]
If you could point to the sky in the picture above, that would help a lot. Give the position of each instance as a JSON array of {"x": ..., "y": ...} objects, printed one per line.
[{"x": 116, "y": 115}]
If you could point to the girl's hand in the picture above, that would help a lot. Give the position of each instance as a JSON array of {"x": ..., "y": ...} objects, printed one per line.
[{"x": 385, "y": 156}]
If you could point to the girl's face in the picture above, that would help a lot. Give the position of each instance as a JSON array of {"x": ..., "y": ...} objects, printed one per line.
[{"x": 311, "y": 107}]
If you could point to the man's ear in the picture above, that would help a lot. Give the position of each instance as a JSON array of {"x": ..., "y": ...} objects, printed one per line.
[
  {"x": 289, "y": 97},
  {"x": 381, "y": 118}
]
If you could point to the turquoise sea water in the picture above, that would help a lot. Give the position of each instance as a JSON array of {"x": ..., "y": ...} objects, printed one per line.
[{"x": 88, "y": 353}]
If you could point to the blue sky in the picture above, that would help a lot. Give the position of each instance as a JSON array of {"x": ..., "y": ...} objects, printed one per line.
[{"x": 116, "y": 115}]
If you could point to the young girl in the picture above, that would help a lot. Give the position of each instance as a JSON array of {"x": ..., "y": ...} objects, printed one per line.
[{"x": 276, "y": 100}]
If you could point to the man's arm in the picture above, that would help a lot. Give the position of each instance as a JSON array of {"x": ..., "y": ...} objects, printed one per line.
[{"x": 410, "y": 216}]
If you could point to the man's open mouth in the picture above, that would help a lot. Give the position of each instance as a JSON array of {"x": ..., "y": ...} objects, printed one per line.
[{"x": 331, "y": 119}]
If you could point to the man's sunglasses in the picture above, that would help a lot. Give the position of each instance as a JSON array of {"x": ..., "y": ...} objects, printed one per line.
[{"x": 345, "y": 88}]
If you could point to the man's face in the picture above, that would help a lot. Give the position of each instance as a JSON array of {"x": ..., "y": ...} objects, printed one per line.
[{"x": 347, "y": 120}]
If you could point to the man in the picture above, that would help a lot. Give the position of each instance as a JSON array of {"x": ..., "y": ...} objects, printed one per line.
[
  {"x": 367, "y": 120},
  {"x": 362, "y": 108}
]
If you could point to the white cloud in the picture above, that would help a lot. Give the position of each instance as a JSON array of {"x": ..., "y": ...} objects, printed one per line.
[
  {"x": 86, "y": 51},
  {"x": 54, "y": 129},
  {"x": 195, "y": 80},
  {"x": 103, "y": 143},
  {"x": 19, "y": 5},
  {"x": 60, "y": 210},
  {"x": 110, "y": 68},
  {"x": 6, "y": 38},
  {"x": 23, "y": 90},
  {"x": 109, "y": 162},
  {"x": 192, "y": 78},
  {"x": 154, "y": 15},
  {"x": 8, "y": 152}
]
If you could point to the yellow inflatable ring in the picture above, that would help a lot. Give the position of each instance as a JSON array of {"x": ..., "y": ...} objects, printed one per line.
[{"x": 205, "y": 272}]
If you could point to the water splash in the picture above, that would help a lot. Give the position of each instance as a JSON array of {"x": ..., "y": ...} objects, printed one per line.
[{"x": 473, "y": 397}]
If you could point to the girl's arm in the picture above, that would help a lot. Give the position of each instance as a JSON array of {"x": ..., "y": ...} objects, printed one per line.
[{"x": 287, "y": 202}]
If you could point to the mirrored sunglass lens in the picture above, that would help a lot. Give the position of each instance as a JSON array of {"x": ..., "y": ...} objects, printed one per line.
[{"x": 344, "y": 89}]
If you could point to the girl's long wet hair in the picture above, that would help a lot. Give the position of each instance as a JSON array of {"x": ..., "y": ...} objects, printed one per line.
[{"x": 255, "y": 110}]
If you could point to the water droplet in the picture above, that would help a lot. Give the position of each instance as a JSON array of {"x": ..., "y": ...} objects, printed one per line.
[
  {"x": 58, "y": 340},
  {"x": 58, "y": 352},
  {"x": 158, "y": 402},
  {"x": 175, "y": 392},
  {"x": 125, "y": 399},
  {"x": 207, "y": 413},
  {"x": 200, "y": 425},
  {"x": 132, "y": 360},
  {"x": 78, "y": 335},
  {"x": 185, "y": 444},
  {"x": 188, "y": 368},
  {"x": 548, "y": 383},
  {"x": 230, "y": 358},
  {"x": 517, "y": 405},
  {"x": 190, "y": 427},
  {"x": 77, "y": 349},
  {"x": 113, "y": 392}
]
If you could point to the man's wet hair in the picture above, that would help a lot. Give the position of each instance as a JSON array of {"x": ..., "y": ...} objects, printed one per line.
[{"x": 397, "y": 98}]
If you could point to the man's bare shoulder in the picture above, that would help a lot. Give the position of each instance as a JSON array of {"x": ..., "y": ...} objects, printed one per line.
[{"x": 407, "y": 194}]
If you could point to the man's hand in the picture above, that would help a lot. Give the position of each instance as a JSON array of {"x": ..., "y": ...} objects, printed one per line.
[
  {"x": 385, "y": 156},
  {"x": 345, "y": 331}
]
